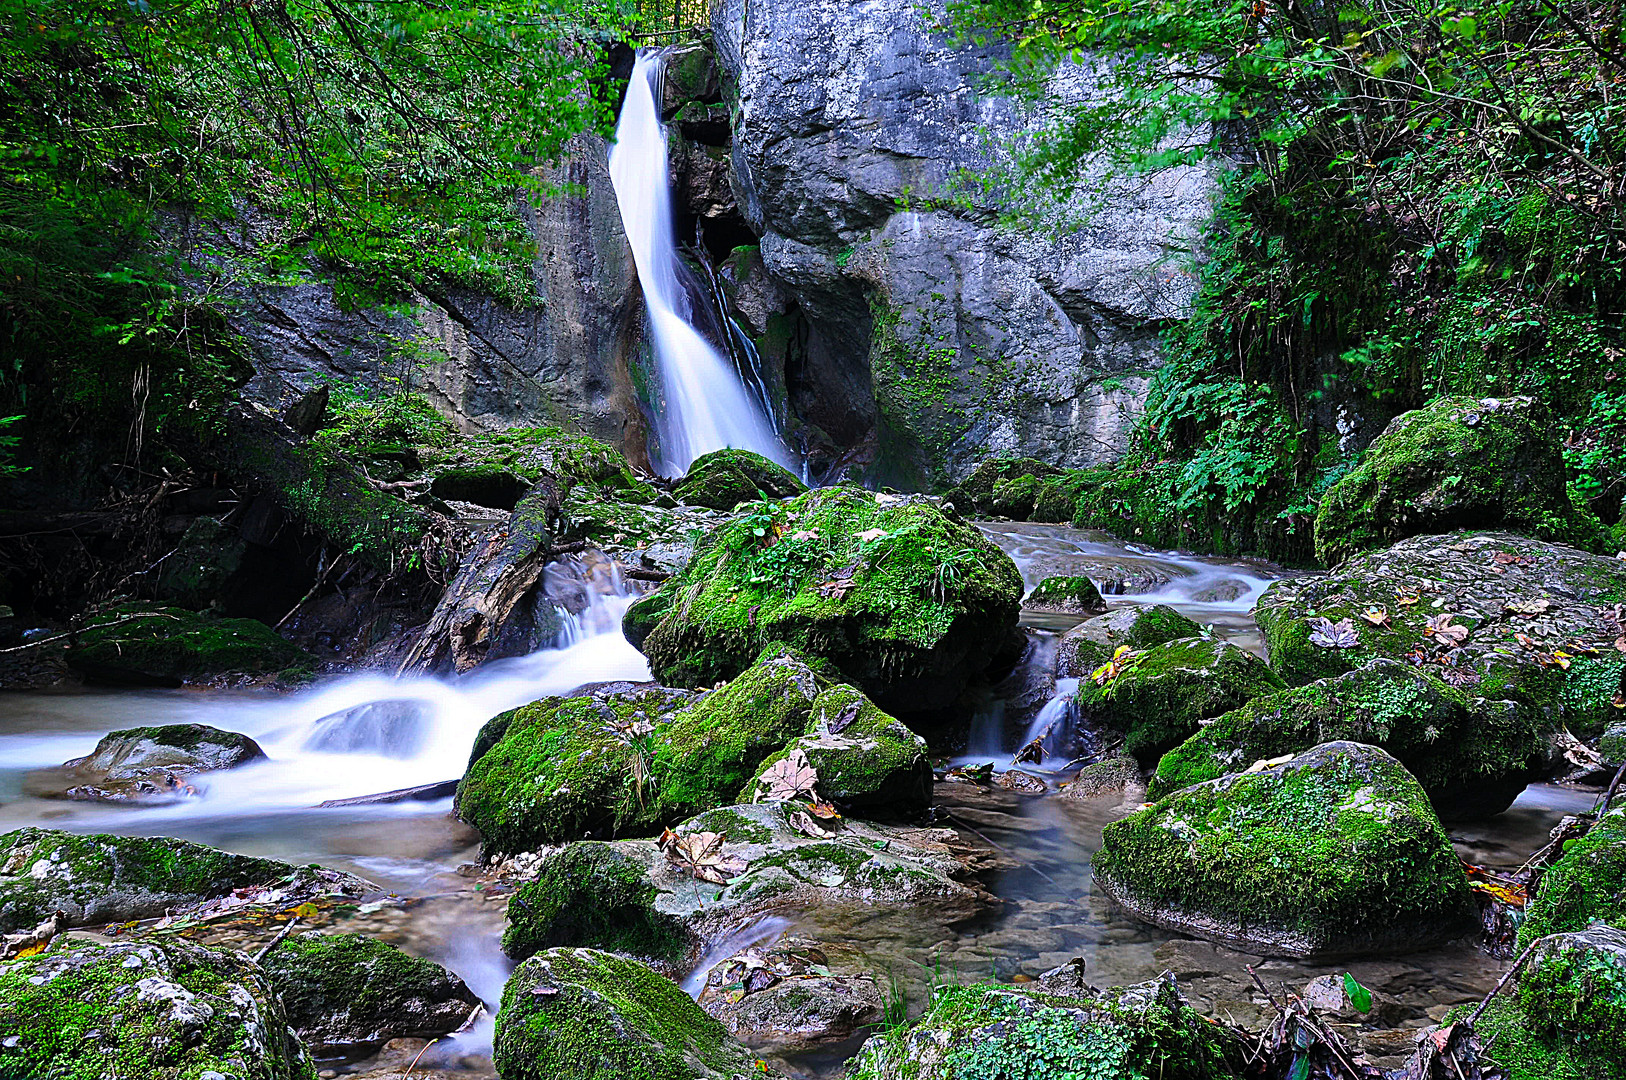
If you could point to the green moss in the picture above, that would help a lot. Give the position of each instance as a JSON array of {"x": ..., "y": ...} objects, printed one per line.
[
  {"x": 589, "y": 893},
  {"x": 1076, "y": 595},
  {"x": 1091, "y": 643},
  {"x": 723, "y": 479},
  {"x": 178, "y": 644},
  {"x": 1527, "y": 1054},
  {"x": 735, "y": 827},
  {"x": 1020, "y": 478},
  {"x": 1058, "y": 496},
  {"x": 866, "y": 760},
  {"x": 1586, "y": 885},
  {"x": 527, "y": 454}
]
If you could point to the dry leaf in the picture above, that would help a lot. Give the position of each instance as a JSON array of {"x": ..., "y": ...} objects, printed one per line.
[
  {"x": 1526, "y": 640},
  {"x": 825, "y": 810},
  {"x": 791, "y": 777},
  {"x": 1620, "y": 643},
  {"x": 845, "y": 718},
  {"x": 808, "y": 825},
  {"x": 1326, "y": 634},
  {"x": 701, "y": 854},
  {"x": 1455, "y": 676},
  {"x": 1528, "y": 607},
  {"x": 836, "y": 588},
  {"x": 1507, "y": 558},
  {"x": 1122, "y": 657},
  {"x": 1443, "y": 630},
  {"x": 805, "y": 534},
  {"x": 1407, "y": 599},
  {"x": 1619, "y": 702},
  {"x": 871, "y": 534},
  {"x": 1377, "y": 616}
]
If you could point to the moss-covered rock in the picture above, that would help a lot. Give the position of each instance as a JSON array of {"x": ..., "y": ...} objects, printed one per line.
[
  {"x": 1473, "y": 757},
  {"x": 723, "y": 479},
  {"x": 104, "y": 879},
  {"x": 567, "y": 767},
  {"x": 1566, "y": 1017},
  {"x": 495, "y": 468},
  {"x": 1523, "y": 602},
  {"x": 590, "y": 1015},
  {"x": 1116, "y": 775},
  {"x": 159, "y": 1011},
  {"x": 1160, "y": 695},
  {"x": 146, "y": 762},
  {"x": 345, "y": 993},
  {"x": 592, "y": 893},
  {"x": 655, "y": 537},
  {"x": 1021, "y": 479},
  {"x": 1092, "y": 642},
  {"x": 1612, "y": 743},
  {"x": 795, "y": 995},
  {"x": 868, "y": 763},
  {"x": 908, "y": 602},
  {"x": 1122, "y": 1033},
  {"x": 171, "y": 646},
  {"x": 1334, "y": 853},
  {"x": 1058, "y": 496},
  {"x": 1459, "y": 463},
  {"x": 1586, "y": 885},
  {"x": 1065, "y": 596}
]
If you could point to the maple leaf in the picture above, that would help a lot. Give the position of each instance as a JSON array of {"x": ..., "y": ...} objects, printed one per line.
[
  {"x": 791, "y": 777},
  {"x": 1407, "y": 599},
  {"x": 1377, "y": 616},
  {"x": 702, "y": 855},
  {"x": 1443, "y": 630},
  {"x": 1122, "y": 657},
  {"x": 1326, "y": 634}
]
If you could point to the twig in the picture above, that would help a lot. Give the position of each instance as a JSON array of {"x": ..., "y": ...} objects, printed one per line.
[
  {"x": 421, "y": 1053},
  {"x": 86, "y": 629},
  {"x": 1265, "y": 990},
  {"x": 303, "y": 600},
  {"x": 274, "y": 942},
  {"x": 1609, "y": 792},
  {"x": 1497, "y": 989}
]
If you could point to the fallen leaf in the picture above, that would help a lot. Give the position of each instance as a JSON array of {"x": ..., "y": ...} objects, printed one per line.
[
  {"x": 1359, "y": 996},
  {"x": 1507, "y": 558},
  {"x": 1377, "y": 616},
  {"x": 1269, "y": 763},
  {"x": 970, "y": 774},
  {"x": 791, "y": 777},
  {"x": 1527, "y": 607},
  {"x": 1443, "y": 630},
  {"x": 1507, "y": 894},
  {"x": 1526, "y": 640},
  {"x": 805, "y": 534},
  {"x": 1619, "y": 702},
  {"x": 825, "y": 810},
  {"x": 1326, "y": 634},
  {"x": 871, "y": 534},
  {"x": 1122, "y": 658},
  {"x": 1407, "y": 599},
  {"x": 1620, "y": 643},
  {"x": 836, "y": 588},
  {"x": 845, "y": 718},
  {"x": 702, "y": 855},
  {"x": 808, "y": 825},
  {"x": 1557, "y": 658}
]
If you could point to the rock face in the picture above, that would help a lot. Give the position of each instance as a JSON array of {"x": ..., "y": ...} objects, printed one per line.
[
  {"x": 794, "y": 995},
  {"x": 139, "y": 763},
  {"x": 1092, "y": 642},
  {"x": 1535, "y": 621},
  {"x": 590, "y": 1015},
  {"x": 1587, "y": 885},
  {"x": 1471, "y": 463},
  {"x": 1472, "y": 756},
  {"x": 103, "y": 879},
  {"x": 930, "y": 333},
  {"x": 907, "y": 602},
  {"x": 1334, "y": 853},
  {"x": 723, "y": 479},
  {"x": 168, "y": 1011},
  {"x": 345, "y": 993},
  {"x": 996, "y": 1031},
  {"x": 1566, "y": 1016}
]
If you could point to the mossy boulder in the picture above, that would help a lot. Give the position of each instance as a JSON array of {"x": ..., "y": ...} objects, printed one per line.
[
  {"x": 1586, "y": 885},
  {"x": 1612, "y": 743},
  {"x": 723, "y": 479},
  {"x": 146, "y": 762},
  {"x": 345, "y": 993},
  {"x": 869, "y": 764},
  {"x": 159, "y": 1011},
  {"x": 567, "y": 767},
  {"x": 1565, "y": 1018},
  {"x": 1334, "y": 853},
  {"x": 908, "y": 602},
  {"x": 795, "y": 995},
  {"x": 1522, "y": 603},
  {"x": 1065, "y": 596},
  {"x": 1121, "y": 1033},
  {"x": 1160, "y": 696},
  {"x": 105, "y": 879},
  {"x": 1472, "y": 756},
  {"x": 1482, "y": 463},
  {"x": 1021, "y": 479},
  {"x": 1092, "y": 642},
  {"x": 171, "y": 646},
  {"x": 593, "y": 893},
  {"x": 496, "y": 468},
  {"x": 591, "y": 1015},
  {"x": 637, "y": 534},
  {"x": 1058, "y": 496}
]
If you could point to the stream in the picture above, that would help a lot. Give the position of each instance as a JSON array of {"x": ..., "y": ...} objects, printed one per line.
[{"x": 359, "y": 735}]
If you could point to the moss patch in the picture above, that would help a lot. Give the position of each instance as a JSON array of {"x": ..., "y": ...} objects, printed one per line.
[
  {"x": 1586, "y": 885},
  {"x": 723, "y": 479},
  {"x": 176, "y": 644},
  {"x": 589, "y": 893},
  {"x": 1092, "y": 642}
]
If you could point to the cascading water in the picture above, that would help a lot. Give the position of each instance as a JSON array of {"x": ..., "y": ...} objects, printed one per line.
[{"x": 706, "y": 404}]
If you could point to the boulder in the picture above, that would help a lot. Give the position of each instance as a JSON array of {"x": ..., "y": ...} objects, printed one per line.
[
  {"x": 599, "y": 894},
  {"x": 1092, "y": 642},
  {"x": 1158, "y": 697},
  {"x": 905, "y": 600},
  {"x": 868, "y": 763},
  {"x": 170, "y": 646},
  {"x": 795, "y": 995},
  {"x": 1117, "y": 775},
  {"x": 1460, "y": 463},
  {"x": 1126, "y": 1031},
  {"x": 646, "y": 536},
  {"x": 590, "y": 1015},
  {"x": 345, "y": 993},
  {"x": 167, "y": 1010},
  {"x": 1019, "y": 478},
  {"x": 1612, "y": 743},
  {"x": 1334, "y": 853},
  {"x": 1587, "y": 885},
  {"x": 1065, "y": 596},
  {"x": 723, "y": 479},
  {"x": 1536, "y": 621},
  {"x": 146, "y": 762},
  {"x": 1472, "y": 756},
  {"x": 497, "y": 468},
  {"x": 108, "y": 879}
]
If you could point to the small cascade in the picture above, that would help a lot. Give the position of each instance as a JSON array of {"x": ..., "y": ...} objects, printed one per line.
[
  {"x": 1052, "y": 729},
  {"x": 705, "y": 405}
]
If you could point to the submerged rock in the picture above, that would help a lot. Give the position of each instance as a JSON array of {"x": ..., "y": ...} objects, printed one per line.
[
  {"x": 590, "y": 1015},
  {"x": 346, "y": 993},
  {"x": 171, "y": 646},
  {"x": 1126, "y": 1031},
  {"x": 1587, "y": 885},
  {"x": 906, "y": 601},
  {"x": 1065, "y": 596},
  {"x": 146, "y": 762},
  {"x": 1483, "y": 463},
  {"x": 723, "y": 479},
  {"x": 1472, "y": 756},
  {"x": 1334, "y": 853},
  {"x": 1092, "y": 642},
  {"x": 167, "y": 1010},
  {"x": 794, "y": 995},
  {"x": 1533, "y": 621}
]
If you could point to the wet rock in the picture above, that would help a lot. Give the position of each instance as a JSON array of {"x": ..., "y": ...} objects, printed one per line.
[
  {"x": 1586, "y": 885},
  {"x": 581, "y": 1013},
  {"x": 345, "y": 993},
  {"x": 723, "y": 479},
  {"x": 1328, "y": 994},
  {"x": 907, "y": 602},
  {"x": 390, "y": 728},
  {"x": 795, "y": 995},
  {"x": 1024, "y": 783},
  {"x": 1519, "y": 604},
  {"x": 640, "y": 536},
  {"x": 587, "y": 893},
  {"x": 1118, "y": 774},
  {"x": 1159, "y": 696},
  {"x": 106, "y": 879},
  {"x": 997, "y": 1031},
  {"x": 144, "y": 763},
  {"x": 1483, "y": 463},
  {"x": 169, "y": 646},
  {"x": 1092, "y": 642},
  {"x": 1119, "y": 578},
  {"x": 165, "y": 1011},
  {"x": 1334, "y": 853},
  {"x": 1065, "y": 596},
  {"x": 1017, "y": 481},
  {"x": 1472, "y": 756}
]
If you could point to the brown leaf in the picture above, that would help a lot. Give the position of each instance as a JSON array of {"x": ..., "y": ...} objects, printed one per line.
[
  {"x": 808, "y": 825},
  {"x": 1326, "y": 634},
  {"x": 702, "y": 855},
  {"x": 1507, "y": 558},
  {"x": 1377, "y": 616},
  {"x": 1443, "y": 630},
  {"x": 791, "y": 777},
  {"x": 1407, "y": 599},
  {"x": 845, "y": 718},
  {"x": 1620, "y": 701},
  {"x": 825, "y": 810},
  {"x": 1620, "y": 643}
]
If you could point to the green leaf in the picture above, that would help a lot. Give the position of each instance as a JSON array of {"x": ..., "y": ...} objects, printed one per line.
[
  {"x": 1300, "y": 1069},
  {"x": 1359, "y": 996}
]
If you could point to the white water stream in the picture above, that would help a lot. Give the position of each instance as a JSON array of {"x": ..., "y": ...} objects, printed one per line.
[{"x": 705, "y": 403}]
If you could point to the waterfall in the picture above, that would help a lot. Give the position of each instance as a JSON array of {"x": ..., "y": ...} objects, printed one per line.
[{"x": 705, "y": 403}]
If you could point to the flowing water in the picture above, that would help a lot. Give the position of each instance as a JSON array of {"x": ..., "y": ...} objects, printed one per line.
[
  {"x": 706, "y": 404},
  {"x": 363, "y": 734}
]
